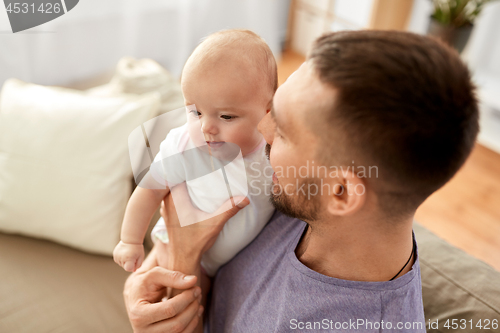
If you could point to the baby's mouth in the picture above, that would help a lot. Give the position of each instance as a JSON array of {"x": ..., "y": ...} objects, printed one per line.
[{"x": 215, "y": 144}]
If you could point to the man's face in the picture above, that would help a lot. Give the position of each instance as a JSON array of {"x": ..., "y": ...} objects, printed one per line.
[{"x": 293, "y": 144}]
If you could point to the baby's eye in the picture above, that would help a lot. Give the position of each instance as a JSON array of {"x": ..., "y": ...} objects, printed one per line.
[
  {"x": 226, "y": 117},
  {"x": 195, "y": 113}
]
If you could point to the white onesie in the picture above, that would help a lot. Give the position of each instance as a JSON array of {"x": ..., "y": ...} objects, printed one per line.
[{"x": 209, "y": 191}]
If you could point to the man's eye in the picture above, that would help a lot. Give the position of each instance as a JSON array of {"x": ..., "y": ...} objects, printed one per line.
[{"x": 225, "y": 117}]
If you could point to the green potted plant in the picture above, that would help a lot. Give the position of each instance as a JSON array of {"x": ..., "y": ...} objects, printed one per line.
[{"x": 453, "y": 20}]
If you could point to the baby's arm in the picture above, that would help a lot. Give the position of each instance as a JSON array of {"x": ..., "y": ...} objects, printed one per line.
[{"x": 129, "y": 253}]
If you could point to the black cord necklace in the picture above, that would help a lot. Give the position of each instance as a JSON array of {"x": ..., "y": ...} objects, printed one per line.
[{"x": 411, "y": 256}]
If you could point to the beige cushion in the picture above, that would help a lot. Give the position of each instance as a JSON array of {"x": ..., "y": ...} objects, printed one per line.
[
  {"x": 456, "y": 286},
  {"x": 65, "y": 169},
  {"x": 46, "y": 287}
]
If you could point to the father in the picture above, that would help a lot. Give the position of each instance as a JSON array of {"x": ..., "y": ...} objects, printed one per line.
[{"x": 379, "y": 120}]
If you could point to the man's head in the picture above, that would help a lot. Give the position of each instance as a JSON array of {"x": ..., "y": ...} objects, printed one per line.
[
  {"x": 397, "y": 104},
  {"x": 231, "y": 77}
]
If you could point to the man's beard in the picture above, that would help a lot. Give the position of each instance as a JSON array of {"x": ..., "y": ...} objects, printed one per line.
[{"x": 297, "y": 205}]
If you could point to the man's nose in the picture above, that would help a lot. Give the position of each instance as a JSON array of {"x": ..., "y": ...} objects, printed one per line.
[
  {"x": 208, "y": 126},
  {"x": 267, "y": 127}
]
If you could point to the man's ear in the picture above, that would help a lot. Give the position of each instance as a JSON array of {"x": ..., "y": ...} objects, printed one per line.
[{"x": 348, "y": 195}]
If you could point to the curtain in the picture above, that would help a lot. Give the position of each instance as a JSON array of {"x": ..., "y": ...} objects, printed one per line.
[{"x": 91, "y": 38}]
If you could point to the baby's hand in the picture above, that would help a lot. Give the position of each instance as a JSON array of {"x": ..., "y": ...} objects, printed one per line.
[{"x": 129, "y": 256}]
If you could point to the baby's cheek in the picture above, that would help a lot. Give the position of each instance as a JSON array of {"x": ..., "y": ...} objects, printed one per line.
[
  {"x": 194, "y": 129},
  {"x": 244, "y": 137}
]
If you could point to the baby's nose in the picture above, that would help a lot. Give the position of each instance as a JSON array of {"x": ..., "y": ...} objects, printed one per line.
[{"x": 209, "y": 127}]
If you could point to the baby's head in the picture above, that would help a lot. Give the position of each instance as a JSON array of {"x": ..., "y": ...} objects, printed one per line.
[{"x": 231, "y": 77}]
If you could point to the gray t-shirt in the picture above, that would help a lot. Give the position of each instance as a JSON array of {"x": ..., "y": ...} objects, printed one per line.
[{"x": 265, "y": 288}]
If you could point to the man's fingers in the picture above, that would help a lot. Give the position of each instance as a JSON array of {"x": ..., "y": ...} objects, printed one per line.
[
  {"x": 179, "y": 198},
  {"x": 183, "y": 319},
  {"x": 182, "y": 193},
  {"x": 179, "y": 323},
  {"x": 229, "y": 210},
  {"x": 162, "y": 277},
  {"x": 139, "y": 263},
  {"x": 192, "y": 325},
  {"x": 172, "y": 307},
  {"x": 241, "y": 202},
  {"x": 163, "y": 212}
]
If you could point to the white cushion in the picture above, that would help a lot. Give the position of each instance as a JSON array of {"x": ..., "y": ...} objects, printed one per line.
[
  {"x": 139, "y": 76},
  {"x": 65, "y": 172}
]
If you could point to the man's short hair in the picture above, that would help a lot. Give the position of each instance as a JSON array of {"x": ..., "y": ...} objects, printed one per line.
[{"x": 405, "y": 103}]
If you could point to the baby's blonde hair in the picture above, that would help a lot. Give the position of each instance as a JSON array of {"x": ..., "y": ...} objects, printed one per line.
[{"x": 249, "y": 46}]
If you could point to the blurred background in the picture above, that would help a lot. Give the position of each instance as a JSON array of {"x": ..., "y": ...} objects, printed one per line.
[{"x": 82, "y": 48}]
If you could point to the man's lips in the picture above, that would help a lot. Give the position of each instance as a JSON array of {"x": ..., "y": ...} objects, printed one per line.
[{"x": 215, "y": 144}]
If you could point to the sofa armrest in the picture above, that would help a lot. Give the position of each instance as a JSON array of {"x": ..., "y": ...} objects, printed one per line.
[
  {"x": 456, "y": 286},
  {"x": 47, "y": 287}
]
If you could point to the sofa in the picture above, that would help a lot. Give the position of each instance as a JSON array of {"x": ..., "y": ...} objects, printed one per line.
[{"x": 63, "y": 278}]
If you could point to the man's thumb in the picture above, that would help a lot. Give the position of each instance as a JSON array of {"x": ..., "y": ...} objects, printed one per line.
[
  {"x": 234, "y": 205},
  {"x": 241, "y": 202}
]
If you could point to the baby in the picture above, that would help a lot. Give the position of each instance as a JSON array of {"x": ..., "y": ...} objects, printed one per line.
[{"x": 228, "y": 84}]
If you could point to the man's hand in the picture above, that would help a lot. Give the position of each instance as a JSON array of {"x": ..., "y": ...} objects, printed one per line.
[
  {"x": 187, "y": 244},
  {"x": 147, "y": 312},
  {"x": 190, "y": 242}
]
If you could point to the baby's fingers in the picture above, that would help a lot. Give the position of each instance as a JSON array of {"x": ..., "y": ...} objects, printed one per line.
[
  {"x": 117, "y": 257},
  {"x": 129, "y": 266}
]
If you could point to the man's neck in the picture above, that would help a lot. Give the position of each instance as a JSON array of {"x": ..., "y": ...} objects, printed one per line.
[{"x": 357, "y": 250}]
